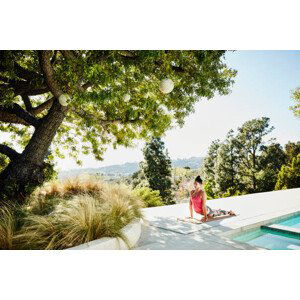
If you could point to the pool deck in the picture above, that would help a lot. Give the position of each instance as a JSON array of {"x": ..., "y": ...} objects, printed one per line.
[{"x": 162, "y": 231}]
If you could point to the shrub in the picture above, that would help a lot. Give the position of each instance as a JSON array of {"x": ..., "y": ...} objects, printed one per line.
[
  {"x": 82, "y": 216},
  {"x": 46, "y": 198},
  {"x": 150, "y": 198},
  {"x": 230, "y": 192}
]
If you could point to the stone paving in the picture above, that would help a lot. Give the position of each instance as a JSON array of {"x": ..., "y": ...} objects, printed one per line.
[{"x": 162, "y": 230}]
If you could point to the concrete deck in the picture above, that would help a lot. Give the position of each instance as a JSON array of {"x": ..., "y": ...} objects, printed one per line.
[{"x": 162, "y": 230}]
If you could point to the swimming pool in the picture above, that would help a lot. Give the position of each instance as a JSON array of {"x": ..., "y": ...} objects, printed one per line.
[{"x": 260, "y": 238}]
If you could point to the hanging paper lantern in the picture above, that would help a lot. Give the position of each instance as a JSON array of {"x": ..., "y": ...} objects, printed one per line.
[
  {"x": 126, "y": 97},
  {"x": 166, "y": 86},
  {"x": 64, "y": 99}
]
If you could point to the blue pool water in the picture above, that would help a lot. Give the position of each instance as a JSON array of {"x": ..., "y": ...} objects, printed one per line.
[
  {"x": 291, "y": 222},
  {"x": 259, "y": 238}
]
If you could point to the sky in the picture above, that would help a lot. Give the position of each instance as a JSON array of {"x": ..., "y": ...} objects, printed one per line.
[{"x": 262, "y": 87}]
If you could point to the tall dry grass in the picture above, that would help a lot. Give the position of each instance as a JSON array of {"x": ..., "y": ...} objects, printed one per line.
[
  {"x": 60, "y": 215},
  {"x": 7, "y": 228}
]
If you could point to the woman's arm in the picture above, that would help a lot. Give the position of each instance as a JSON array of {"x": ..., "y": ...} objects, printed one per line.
[
  {"x": 191, "y": 207},
  {"x": 204, "y": 209}
]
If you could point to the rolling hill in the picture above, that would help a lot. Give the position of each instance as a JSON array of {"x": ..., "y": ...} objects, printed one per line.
[{"x": 128, "y": 168}]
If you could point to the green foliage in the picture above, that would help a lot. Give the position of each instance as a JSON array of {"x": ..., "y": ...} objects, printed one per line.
[
  {"x": 50, "y": 172},
  {"x": 296, "y": 98},
  {"x": 150, "y": 198},
  {"x": 231, "y": 192},
  {"x": 271, "y": 160},
  {"x": 291, "y": 150},
  {"x": 289, "y": 175},
  {"x": 208, "y": 168},
  {"x": 245, "y": 162},
  {"x": 226, "y": 166},
  {"x": 208, "y": 188},
  {"x": 99, "y": 115},
  {"x": 138, "y": 179},
  {"x": 3, "y": 162},
  {"x": 249, "y": 141},
  {"x": 157, "y": 169}
]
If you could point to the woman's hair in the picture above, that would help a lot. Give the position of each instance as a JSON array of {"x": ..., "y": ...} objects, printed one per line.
[{"x": 198, "y": 179}]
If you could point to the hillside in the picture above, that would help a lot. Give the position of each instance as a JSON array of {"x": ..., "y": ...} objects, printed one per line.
[{"x": 129, "y": 168}]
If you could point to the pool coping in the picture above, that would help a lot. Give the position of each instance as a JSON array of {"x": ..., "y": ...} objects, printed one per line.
[{"x": 280, "y": 216}]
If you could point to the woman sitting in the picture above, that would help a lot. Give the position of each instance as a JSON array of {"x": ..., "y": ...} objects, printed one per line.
[{"x": 198, "y": 203}]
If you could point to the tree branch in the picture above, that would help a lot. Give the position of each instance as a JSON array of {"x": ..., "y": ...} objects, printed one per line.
[
  {"x": 68, "y": 54},
  {"x": 44, "y": 59},
  {"x": 27, "y": 102},
  {"x": 39, "y": 109},
  {"x": 9, "y": 152},
  {"x": 16, "y": 114},
  {"x": 23, "y": 87},
  {"x": 127, "y": 53},
  {"x": 25, "y": 73},
  {"x": 53, "y": 58},
  {"x": 6, "y": 117},
  {"x": 83, "y": 114}
]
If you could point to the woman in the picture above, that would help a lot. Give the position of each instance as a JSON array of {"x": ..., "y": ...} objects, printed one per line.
[{"x": 198, "y": 203}]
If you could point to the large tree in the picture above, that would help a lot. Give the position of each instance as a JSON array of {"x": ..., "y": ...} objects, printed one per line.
[
  {"x": 250, "y": 140},
  {"x": 114, "y": 99},
  {"x": 157, "y": 168}
]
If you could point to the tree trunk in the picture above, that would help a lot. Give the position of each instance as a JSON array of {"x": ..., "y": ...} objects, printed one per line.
[{"x": 26, "y": 172}]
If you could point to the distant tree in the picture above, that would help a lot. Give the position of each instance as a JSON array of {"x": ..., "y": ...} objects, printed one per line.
[
  {"x": 296, "y": 107},
  {"x": 226, "y": 167},
  {"x": 157, "y": 168},
  {"x": 289, "y": 175},
  {"x": 138, "y": 178},
  {"x": 245, "y": 162},
  {"x": 272, "y": 158},
  {"x": 208, "y": 170},
  {"x": 249, "y": 141},
  {"x": 291, "y": 150}
]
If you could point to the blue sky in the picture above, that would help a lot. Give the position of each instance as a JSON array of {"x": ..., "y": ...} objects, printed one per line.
[{"x": 262, "y": 87}]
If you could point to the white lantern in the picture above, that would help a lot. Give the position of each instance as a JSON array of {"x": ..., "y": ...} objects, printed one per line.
[
  {"x": 166, "y": 86},
  {"x": 64, "y": 99},
  {"x": 126, "y": 98}
]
